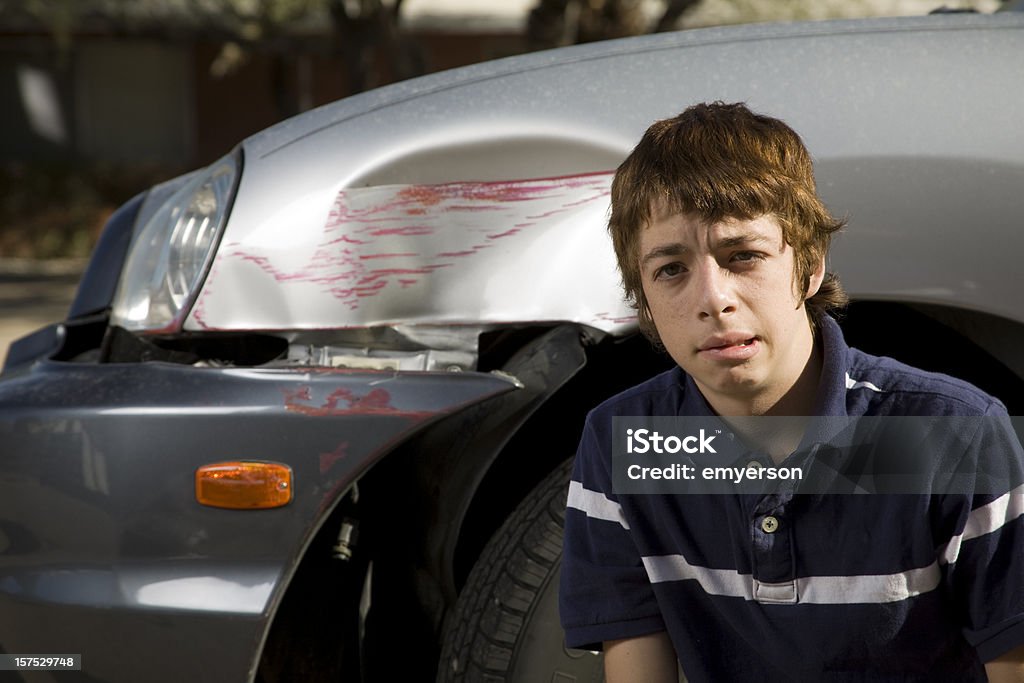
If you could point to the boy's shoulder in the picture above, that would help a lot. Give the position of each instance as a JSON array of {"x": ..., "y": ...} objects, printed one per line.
[{"x": 883, "y": 385}]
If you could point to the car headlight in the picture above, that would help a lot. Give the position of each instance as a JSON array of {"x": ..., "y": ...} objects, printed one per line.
[{"x": 170, "y": 254}]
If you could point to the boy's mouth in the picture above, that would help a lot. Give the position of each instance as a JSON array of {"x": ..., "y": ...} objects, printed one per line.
[{"x": 730, "y": 347}]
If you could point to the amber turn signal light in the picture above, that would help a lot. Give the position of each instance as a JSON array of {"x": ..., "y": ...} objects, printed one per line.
[{"x": 244, "y": 485}]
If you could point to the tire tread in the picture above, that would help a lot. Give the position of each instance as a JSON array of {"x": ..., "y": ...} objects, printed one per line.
[{"x": 502, "y": 588}]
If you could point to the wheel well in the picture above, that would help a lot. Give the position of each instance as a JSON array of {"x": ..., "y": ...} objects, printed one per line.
[
  {"x": 982, "y": 349},
  {"x": 549, "y": 438},
  {"x": 314, "y": 633}
]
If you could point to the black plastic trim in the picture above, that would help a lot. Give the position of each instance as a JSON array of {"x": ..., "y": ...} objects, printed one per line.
[{"x": 98, "y": 284}]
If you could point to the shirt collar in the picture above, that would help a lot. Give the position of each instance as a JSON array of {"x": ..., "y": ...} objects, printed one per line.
[{"x": 830, "y": 399}]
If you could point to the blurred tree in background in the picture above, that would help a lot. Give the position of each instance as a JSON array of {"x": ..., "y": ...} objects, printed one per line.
[
  {"x": 364, "y": 32},
  {"x": 553, "y": 23},
  {"x": 366, "y": 28},
  {"x": 247, "y": 26}
]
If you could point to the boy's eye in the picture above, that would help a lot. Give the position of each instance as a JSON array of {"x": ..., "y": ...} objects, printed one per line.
[
  {"x": 669, "y": 270},
  {"x": 746, "y": 256}
]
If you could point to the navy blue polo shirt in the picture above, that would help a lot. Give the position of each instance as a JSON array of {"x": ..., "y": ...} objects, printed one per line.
[{"x": 786, "y": 587}]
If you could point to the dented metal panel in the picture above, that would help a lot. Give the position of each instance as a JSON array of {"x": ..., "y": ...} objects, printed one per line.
[
  {"x": 103, "y": 547},
  {"x": 463, "y": 253}
]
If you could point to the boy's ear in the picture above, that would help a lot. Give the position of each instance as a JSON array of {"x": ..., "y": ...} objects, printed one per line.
[{"x": 817, "y": 277}]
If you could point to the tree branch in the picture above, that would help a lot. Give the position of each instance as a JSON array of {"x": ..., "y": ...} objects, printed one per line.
[{"x": 673, "y": 11}]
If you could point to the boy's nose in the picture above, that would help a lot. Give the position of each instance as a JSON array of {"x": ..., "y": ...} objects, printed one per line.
[{"x": 716, "y": 297}]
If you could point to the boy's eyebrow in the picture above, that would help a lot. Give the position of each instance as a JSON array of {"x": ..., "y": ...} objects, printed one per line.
[
  {"x": 673, "y": 249},
  {"x": 745, "y": 238},
  {"x": 677, "y": 248}
]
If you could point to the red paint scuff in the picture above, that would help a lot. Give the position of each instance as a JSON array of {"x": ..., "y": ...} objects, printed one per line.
[
  {"x": 507, "y": 233},
  {"x": 406, "y": 226},
  {"x": 344, "y": 401},
  {"x": 364, "y": 257},
  {"x": 328, "y": 460},
  {"x": 618, "y": 320},
  {"x": 412, "y": 230}
]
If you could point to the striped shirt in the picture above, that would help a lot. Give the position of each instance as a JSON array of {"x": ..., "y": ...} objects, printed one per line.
[{"x": 831, "y": 587}]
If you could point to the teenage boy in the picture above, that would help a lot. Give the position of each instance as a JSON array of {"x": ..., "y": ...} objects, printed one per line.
[{"x": 721, "y": 240}]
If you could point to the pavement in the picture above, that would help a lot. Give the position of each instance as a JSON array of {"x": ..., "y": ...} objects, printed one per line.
[{"x": 34, "y": 294}]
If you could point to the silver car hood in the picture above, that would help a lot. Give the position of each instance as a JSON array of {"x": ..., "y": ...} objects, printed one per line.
[{"x": 480, "y": 195}]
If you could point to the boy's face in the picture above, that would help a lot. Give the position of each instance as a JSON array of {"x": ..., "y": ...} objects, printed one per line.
[{"x": 722, "y": 299}]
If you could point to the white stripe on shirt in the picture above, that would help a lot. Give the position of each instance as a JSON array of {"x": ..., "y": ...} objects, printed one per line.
[
  {"x": 985, "y": 520},
  {"x": 851, "y": 383},
  {"x": 595, "y": 504},
  {"x": 821, "y": 590}
]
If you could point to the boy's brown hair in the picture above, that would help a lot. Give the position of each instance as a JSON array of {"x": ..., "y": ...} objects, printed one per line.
[{"x": 721, "y": 161}]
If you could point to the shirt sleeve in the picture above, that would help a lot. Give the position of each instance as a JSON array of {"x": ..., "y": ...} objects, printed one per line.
[
  {"x": 605, "y": 593},
  {"x": 986, "y": 554}
]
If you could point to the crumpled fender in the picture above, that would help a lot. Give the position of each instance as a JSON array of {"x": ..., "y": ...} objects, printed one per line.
[{"x": 98, "y": 514}]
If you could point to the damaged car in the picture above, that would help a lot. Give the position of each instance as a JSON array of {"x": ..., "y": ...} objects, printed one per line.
[{"x": 310, "y": 414}]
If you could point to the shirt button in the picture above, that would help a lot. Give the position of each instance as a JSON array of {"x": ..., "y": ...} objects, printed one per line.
[
  {"x": 754, "y": 464},
  {"x": 769, "y": 525}
]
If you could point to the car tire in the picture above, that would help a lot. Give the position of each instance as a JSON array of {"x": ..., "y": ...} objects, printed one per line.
[{"x": 505, "y": 626}]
